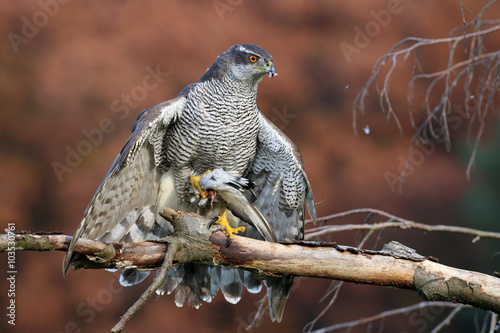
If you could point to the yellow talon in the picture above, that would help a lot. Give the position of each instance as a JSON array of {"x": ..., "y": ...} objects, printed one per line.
[
  {"x": 195, "y": 184},
  {"x": 222, "y": 221}
]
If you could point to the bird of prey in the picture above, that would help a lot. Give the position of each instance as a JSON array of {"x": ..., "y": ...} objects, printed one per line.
[{"x": 212, "y": 124}]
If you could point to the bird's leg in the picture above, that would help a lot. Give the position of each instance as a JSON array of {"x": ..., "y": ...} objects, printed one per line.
[
  {"x": 222, "y": 221},
  {"x": 195, "y": 184}
]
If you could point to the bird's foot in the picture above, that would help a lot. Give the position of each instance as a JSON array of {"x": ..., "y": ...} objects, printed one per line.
[
  {"x": 222, "y": 221},
  {"x": 195, "y": 184}
]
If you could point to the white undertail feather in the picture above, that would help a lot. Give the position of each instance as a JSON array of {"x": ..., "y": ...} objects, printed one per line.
[{"x": 167, "y": 196}]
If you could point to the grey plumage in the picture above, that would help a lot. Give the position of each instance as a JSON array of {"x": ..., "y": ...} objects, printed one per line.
[{"x": 213, "y": 123}]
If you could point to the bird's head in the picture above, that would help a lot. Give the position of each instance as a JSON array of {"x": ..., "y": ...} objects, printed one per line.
[{"x": 242, "y": 62}]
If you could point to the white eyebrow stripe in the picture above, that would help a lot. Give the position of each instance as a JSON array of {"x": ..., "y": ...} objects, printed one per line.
[{"x": 244, "y": 49}]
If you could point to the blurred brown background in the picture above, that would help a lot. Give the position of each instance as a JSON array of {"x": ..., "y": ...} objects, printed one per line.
[{"x": 74, "y": 75}]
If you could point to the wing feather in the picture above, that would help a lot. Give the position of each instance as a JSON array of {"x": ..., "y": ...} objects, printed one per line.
[
  {"x": 282, "y": 190},
  {"x": 130, "y": 186},
  {"x": 282, "y": 186}
]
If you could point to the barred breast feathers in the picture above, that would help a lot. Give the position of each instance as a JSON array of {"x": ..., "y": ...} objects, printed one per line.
[{"x": 218, "y": 128}]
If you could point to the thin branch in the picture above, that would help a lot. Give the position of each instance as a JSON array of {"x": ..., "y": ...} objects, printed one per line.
[
  {"x": 448, "y": 318},
  {"x": 383, "y": 315},
  {"x": 476, "y": 72},
  {"x": 157, "y": 283},
  {"x": 315, "y": 232},
  {"x": 336, "y": 291},
  {"x": 335, "y": 286},
  {"x": 393, "y": 54},
  {"x": 394, "y": 222},
  {"x": 259, "y": 314},
  {"x": 464, "y": 24}
]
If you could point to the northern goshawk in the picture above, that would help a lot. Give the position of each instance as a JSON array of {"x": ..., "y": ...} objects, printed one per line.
[{"x": 212, "y": 124}]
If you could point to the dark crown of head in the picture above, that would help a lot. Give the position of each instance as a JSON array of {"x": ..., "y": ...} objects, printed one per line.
[
  {"x": 237, "y": 54},
  {"x": 241, "y": 52}
]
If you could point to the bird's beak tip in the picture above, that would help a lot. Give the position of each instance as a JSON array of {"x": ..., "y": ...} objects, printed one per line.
[{"x": 271, "y": 70}]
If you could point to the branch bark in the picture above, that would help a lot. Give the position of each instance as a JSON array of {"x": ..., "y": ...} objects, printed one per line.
[{"x": 395, "y": 265}]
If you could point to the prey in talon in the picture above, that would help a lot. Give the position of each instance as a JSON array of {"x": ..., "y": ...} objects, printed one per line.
[{"x": 231, "y": 190}]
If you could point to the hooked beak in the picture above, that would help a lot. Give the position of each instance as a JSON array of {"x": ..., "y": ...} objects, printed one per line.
[{"x": 270, "y": 69}]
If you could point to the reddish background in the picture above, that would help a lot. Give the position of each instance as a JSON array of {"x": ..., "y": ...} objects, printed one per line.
[{"x": 73, "y": 71}]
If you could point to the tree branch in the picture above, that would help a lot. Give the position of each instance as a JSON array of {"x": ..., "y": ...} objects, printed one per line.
[{"x": 395, "y": 265}]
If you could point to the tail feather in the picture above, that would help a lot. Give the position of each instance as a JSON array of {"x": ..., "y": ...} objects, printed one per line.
[
  {"x": 68, "y": 257},
  {"x": 278, "y": 290},
  {"x": 174, "y": 277},
  {"x": 231, "y": 284},
  {"x": 131, "y": 276},
  {"x": 190, "y": 289},
  {"x": 252, "y": 284},
  {"x": 214, "y": 283},
  {"x": 137, "y": 226}
]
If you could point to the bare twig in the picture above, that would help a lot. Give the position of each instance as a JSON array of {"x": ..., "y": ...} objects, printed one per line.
[
  {"x": 157, "y": 283},
  {"x": 335, "y": 286},
  {"x": 479, "y": 73},
  {"x": 263, "y": 306},
  {"x": 336, "y": 290},
  {"x": 359, "y": 102},
  {"x": 385, "y": 314},
  {"x": 446, "y": 321},
  {"x": 464, "y": 23},
  {"x": 394, "y": 222}
]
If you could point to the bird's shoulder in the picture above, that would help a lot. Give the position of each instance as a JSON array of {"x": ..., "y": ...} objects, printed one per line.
[
  {"x": 151, "y": 121},
  {"x": 166, "y": 112},
  {"x": 277, "y": 154},
  {"x": 273, "y": 141}
]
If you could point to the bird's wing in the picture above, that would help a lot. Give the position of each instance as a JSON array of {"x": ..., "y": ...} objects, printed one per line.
[
  {"x": 281, "y": 184},
  {"x": 124, "y": 203},
  {"x": 282, "y": 190}
]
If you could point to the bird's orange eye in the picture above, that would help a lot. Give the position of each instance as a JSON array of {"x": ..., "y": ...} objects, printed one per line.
[{"x": 253, "y": 58}]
